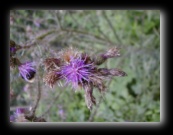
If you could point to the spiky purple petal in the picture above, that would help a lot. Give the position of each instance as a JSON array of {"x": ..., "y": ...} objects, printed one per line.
[
  {"x": 27, "y": 70},
  {"x": 20, "y": 110},
  {"x": 76, "y": 71}
]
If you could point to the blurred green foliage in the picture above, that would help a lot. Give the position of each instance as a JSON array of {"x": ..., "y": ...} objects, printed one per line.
[{"x": 135, "y": 98}]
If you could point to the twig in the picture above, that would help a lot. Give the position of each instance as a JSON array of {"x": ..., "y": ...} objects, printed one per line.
[
  {"x": 90, "y": 41},
  {"x": 96, "y": 25},
  {"x": 32, "y": 116},
  {"x": 111, "y": 26},
  {"x": 95, "y": 111},
  {"x": 58, "y": 19},
  {"x": 74, "y": 19},
  {"x": 86, "y": 33},
  {"x": 156, "y": 32},
  {"x": 55, "y": 99},
  {"x": 100, "y": 99},
  {"x": 41, "y": 37},
  {"x": 38, "y": 97},
  {"x": 26, "y": 47}
]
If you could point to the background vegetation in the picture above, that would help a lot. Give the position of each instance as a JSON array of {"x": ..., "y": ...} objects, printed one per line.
[{"x": 135, "y": 98}]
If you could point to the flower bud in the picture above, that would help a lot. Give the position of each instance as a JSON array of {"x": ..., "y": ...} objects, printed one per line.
[{"x": 27, "y": 71}]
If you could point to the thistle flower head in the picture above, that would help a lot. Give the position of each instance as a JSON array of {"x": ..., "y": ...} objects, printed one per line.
[
  {"x": 77, "y": 71},
  {"x": 113, "y": 52},
  {"x": 12, "y": 118},
  {"x": 13, "y": 49},
  {"x": 19, "y": 115},
  {"x": 67, "y": 53},
  {"x": 51, "y": 63},
  {"x": 51, "y": 78},
  {"x": 20, "y": 110},
  {"x": 89, "y": 98},
  {"x": 27, "y": 71}
]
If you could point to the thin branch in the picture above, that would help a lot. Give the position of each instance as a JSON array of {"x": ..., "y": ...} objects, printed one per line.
[
  {"x": 89, "y": 34},
  {"x": 156, "y": 32},
  {"x": 38, "y": 98},
  {"x": 73, "y": 18},
  {"x": 32, "y": 116},
  {"x": 90, "y": 41},
  {"x": 91, "y": 118},
  {"x": 58, "y": 19},
  {"x": 26, "y": 47},
  {"x": 111, "y": 26},
  {"x": 41, "y": 37},
  {"x": 55, "y": 99},
  {"x": 96, "y": 25}
]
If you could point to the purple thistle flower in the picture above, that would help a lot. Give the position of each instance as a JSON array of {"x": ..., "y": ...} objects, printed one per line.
[
  {"x": 77, "y": 71},
  {"x": 13, "y": 49},
  {"x": 80, "y": 69},
  {"x": 12, "y": 118},
  {"x": 27, "y": 71},
  {"x": 20, "y": 110},
  {"x": 19, "y": 115}
]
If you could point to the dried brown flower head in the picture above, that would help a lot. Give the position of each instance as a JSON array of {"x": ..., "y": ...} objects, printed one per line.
[
  {"x": 67, "y": 53},
  {"x": 51, "y": 78},
  {"x": 51, "y": 64},
  {"x": 100, "y": 59}
]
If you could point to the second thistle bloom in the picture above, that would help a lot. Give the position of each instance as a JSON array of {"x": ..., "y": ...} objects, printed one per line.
[
  {"x": 27, "y": 71},
  {"x": 19, "y": 115}
]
